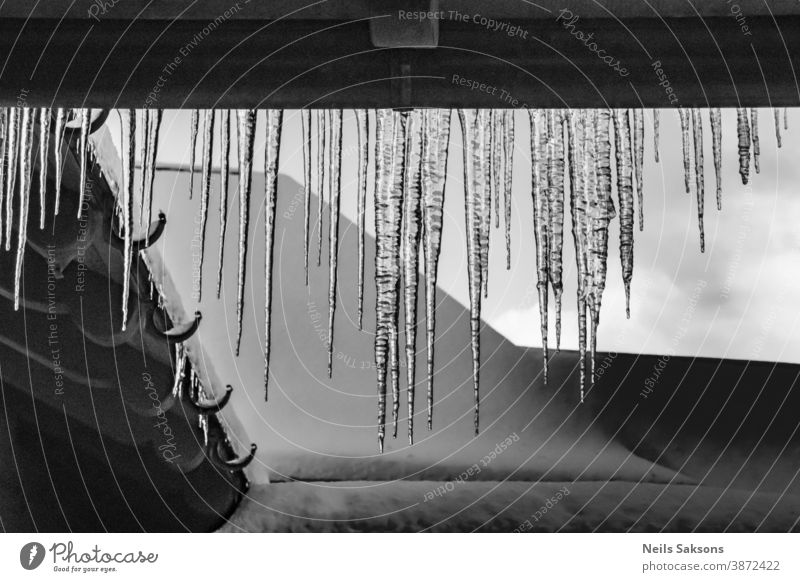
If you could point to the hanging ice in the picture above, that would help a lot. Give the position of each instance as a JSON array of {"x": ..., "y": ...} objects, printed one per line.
[
  {"x": 84, "y": 152},
  {"x": 716, "y": 142},
  {"x": 205, "y": 193},
  {"x": 508, "y": 168},
  {"x": 12, "y": 153},
  {"x": 496, "y": 160},
  {"x": 656, "y": 132},
  {"x": 638, "y": 160},
  {"x": 144, "y": 143},
  {"x": 472, "y": 130},
  {"x": 541, "y": 220},
  {"x": 305, "y": 121},
  {"x": 697, "y": 125},
  {"x": 61, "y": 120},
  {"x": 44, "y": 142},
  {"x": 153, "y": 130},
  {"x": 685, "y": 137},
  {"x": 321, "y": 147},
  {"x": 26, "y": 169},
  {"x": 224, "y": 173},
  {"x": 271, "y": 160},
  {"x": 333, "y": 223},
  {"x": 555, "y": 205},
  {"x": 754, "y": 137},
  {"x": 412, "y": 225},
  {"x": 129, "y": 136},
  {"x": 777, "y": 114},
  {"x": 362, "y": 120},
  {"x": 390, "y": 143},
  {"x": 625, "y": 198},
  {"x": 3, "y": 139},
  {"x": 743, "y": 133},
  {"x": 435, "y": 141},
  {"x": 193, "y": 130},
  {"x": 485, "y": 155},
  {"x": 246, "y": 127}
]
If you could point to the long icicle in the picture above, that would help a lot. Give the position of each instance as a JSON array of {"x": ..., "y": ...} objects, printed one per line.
[
  {"x": 656, "y": 132},
  {"x": 475, "y": 181},
  {"x": 625, "y": 199},
  {"x": 321, "y": 147},
  {"x": 555, "y": 205},
  {"x": 333, "y": 224},
  {"x": 44, "y": 143},
  {"x": 777, "y": 115},
  {"x": 508, "y": 169},
  {"x": 497, "y": 172},
  {"x": 697, "y": 125},
  {"x": 61, "y": 121},
  {"x": 743, "y": 133},
  {"x": 540, "y": 219},
  {"x": 224, "y": 176},
  {"x": 412, "y": 223},
  {"x": 271, "y": 161},
  {"x": 305, "y": 121},
  {"x": 485, "y": 153},
  {"x": 153, "y": 131},
  {"x": 754, "y": 137},
  {"x": 435, "y": 141},
  {"x": 685, "y": 141},
  {"x": 362, "y": 121},
  {"x": 246, "y": 126},
  {"x": 86, "y": 119},
  {"x": 4, "y": 112},
  {"x": 205, "y": 192},
  {"x": 578, "y": 203},
  {"x": 716, "y": 141},
  {"x": 638, "y": 161},
  {"x": 388, "y": 219},
  {"x": 394, "y": 332},
  {"x": 129, "y": 136},
  {"x": 194, "y": 124},
  {"x": 143, "y": 145},
  {"x": 12, "y": 156},
  {"x": 26, "y": 169}
]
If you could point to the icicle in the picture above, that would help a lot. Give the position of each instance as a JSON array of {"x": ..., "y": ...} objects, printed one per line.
[
  {"x": 555, "y": 205},
  {"x": 625, "y": 197},
  {"x": 578, "y": 205},
  {"x": 638, "y": 160},
  {"x": 362, "y": 120},
  {"x": 697, "y": 125},
  {"x": 26, "y": 151},
  {"x": 44, "y": 142},
  {"x": 271, "y": 160},
  {"x": 412, "y": 223},
  {"x": 333, "y": 224},
  {"x": 224, "y": 173},
  {"x": 246, "y": 125},
  {"x": 153, "y": 130},
  {"x": 777, "y": 114},
  {"x": 390, "y": 143},
  {"x": 305, "y": 120},
  {"x": 129, "y": 132},
  {"x": 541, "y": 220},
  {"x": 12, "y": 156},
  {"x": 485, "y": 154},
  {"x": 656, "y": 131},
  {"x": 743, "y": 133},
  {"x": 194, "y": 126},
  {"x": 321, "y": 146},
  {"x": 86, "y": 119},
  {"x": 716, "y": 141},
  {"x": 754, "y": 137},
  {"x": 786, "y": 118},
  {"x": 685, "y": 137},
  {"x": 61, "y": 121},
  {"x": 205, "y": 193},
  {"x": 3, "y": 139},
  {"x": 475, "y": 181},
  {"x": 143, "y": 145},
  {"x": 508, "y": 168},
  {"x": 435, "y": 140},
  {"x": 497, "y": 173},
  {"x": 601, "y": 211}
]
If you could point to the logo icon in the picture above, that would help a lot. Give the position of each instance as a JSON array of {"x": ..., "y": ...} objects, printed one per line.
[{"x": 31, "y": 555}]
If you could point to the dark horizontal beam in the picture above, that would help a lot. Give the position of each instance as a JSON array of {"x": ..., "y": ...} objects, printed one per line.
[{"x": 319, "y": 63}]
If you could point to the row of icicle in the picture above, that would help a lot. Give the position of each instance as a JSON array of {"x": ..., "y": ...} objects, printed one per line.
[{"x": 571, "y": 159}]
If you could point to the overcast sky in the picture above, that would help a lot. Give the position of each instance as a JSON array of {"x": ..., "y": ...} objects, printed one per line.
[{"x": 737, "y": 300}]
